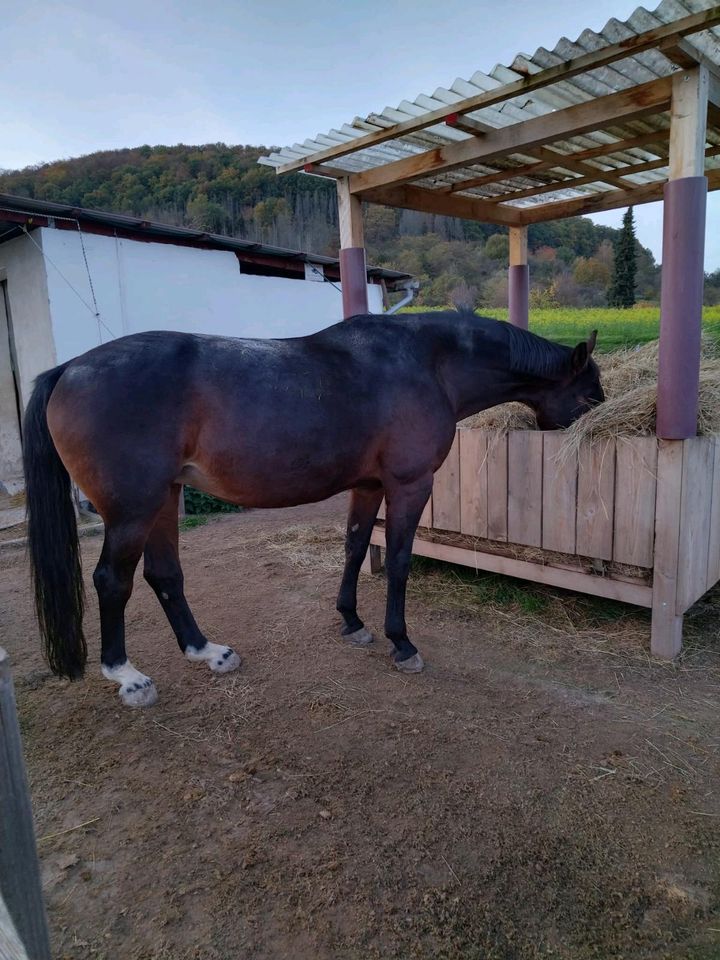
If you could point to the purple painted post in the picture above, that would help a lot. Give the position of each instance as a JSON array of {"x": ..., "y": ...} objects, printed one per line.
[
  {"x": 353, "y": 277},
  {"x": 681, "y": 301},
  {"x": 518, "y": 295}
]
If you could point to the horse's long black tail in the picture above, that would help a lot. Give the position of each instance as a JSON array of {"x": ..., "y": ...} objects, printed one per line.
[{"x": 53, "y": 538}]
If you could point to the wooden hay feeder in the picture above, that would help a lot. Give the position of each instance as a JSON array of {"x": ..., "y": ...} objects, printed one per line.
[{"x": 636, "y": 520}]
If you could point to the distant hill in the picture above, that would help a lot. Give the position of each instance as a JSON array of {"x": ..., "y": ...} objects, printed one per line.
[{"x": 223, "y": 189}]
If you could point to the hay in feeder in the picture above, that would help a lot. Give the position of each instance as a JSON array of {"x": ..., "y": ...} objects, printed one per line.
[{"x": 629, "y": 378}]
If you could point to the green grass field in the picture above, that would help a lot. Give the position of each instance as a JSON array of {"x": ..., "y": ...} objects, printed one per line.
[{"x": 616, "y": 328}]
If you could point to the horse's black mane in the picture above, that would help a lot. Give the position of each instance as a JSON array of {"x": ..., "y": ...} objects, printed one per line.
[
  {"x": 535, "y": 355},
  {"x": 528, "y": 353}
]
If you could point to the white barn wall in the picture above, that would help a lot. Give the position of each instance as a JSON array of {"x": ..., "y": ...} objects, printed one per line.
[
  {"x": 157, "y": 286},
  {"x": 23, "y": 269}
]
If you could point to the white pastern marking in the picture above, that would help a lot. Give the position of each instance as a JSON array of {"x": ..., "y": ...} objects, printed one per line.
[
  {"x": 220, "y": 659},
  {"x": 136, "y": 690}
]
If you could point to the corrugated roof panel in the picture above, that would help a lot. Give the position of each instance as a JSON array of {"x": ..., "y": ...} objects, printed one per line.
[{"x": 601, "y": 81}]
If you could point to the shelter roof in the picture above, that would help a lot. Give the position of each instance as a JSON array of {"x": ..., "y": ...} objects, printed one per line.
[{"x": 577, "y": 129}]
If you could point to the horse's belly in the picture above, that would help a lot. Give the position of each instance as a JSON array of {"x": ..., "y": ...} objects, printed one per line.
[{"x": 283, "y": 486}]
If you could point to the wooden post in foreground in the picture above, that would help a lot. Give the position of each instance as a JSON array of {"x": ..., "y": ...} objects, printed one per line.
[
  {"x": 353, "y": 268},
  {"x": 518, "y": 278},
  {"x": 20, "y": 887},
  {"x": 681, "y": 294}
]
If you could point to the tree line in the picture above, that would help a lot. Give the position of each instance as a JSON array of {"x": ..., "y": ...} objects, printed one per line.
[{"x": 222, "y": 189}]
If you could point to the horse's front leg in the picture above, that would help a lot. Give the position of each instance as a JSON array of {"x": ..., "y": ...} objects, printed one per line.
[
  {"x": 405, "y": 504},
  {"x": 364, "y": 506}
]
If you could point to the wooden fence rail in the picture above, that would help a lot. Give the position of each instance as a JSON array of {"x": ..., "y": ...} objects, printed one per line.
[{"x": 20, "y": 889}]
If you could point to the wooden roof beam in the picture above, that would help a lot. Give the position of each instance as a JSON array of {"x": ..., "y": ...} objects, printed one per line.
[
  {"x": 556, "y": 159},
  {"x": 468, "y": 125},
  {"x": 610, "y": 200},
  {"x": 648, "y": 40},
  {"x": 636, "y": 102},
  {"x": 617, "y": 178},
  {"x": 445, "y": 204}
]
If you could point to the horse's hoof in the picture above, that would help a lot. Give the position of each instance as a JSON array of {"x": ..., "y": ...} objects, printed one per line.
[
  {"x": 226, "y": 663},
  {"x": 220, "y": 659},
  {"x": 139, "y": 694},
  {"x": 360, "y": 638},
  {"x": 413, "y": 664}
]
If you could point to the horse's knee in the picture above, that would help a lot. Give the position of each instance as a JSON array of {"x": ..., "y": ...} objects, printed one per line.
[{"x": 111, "y": 586}]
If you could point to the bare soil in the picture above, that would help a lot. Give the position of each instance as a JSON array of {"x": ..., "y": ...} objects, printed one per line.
[{"x": 542, "y": 790}]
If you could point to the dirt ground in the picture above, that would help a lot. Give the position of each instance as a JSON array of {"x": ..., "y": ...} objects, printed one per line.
[{"x": 542, "y": 790}]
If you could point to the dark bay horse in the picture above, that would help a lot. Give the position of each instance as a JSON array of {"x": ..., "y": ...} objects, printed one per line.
[{"x": 368, "y": 405}]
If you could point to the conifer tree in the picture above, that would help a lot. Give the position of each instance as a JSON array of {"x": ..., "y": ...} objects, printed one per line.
[{"x": 622, "y": 289}]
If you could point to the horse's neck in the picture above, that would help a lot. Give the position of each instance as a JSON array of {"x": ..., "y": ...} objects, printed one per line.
[
  {"x": 511, "y": 365},
  {"x": 476, "y": 381}
]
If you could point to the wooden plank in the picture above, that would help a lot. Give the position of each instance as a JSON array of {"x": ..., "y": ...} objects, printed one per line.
[
  {"x": 559, "y": 505},
  {"x": 350, "y": 216},
  {"x": 518, "y": 246},
  {"x": 525, "y": 472},
  {"x": 473, "y": 483},
  {"x": 553, "y": 160},
  {"x": 628, "y": 47},
  {"x": 435, "y": 201},
  {"x": 446, "y": 491},
  {"x": 372, "y": 563},
  {"x": 688, "y": 117},
  {"x": 631, "y": 104},
  {"x": 538, "y": 573},
  {"x": 608, "y": 200},
  {"x": 666, "y": 630},
  {"x": 615, "y": 177},
  {"x": 635, "y": 483},
  {"x": 497, "y": 488},
  {"x": 714, "y": 544},
  {"x": 695, "y": 519},
  {"x": 19, "y": 872},
  {"x": 595, "y": 501}
]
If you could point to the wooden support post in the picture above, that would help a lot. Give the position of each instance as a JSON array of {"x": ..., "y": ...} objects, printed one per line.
[
  {"x": 373, "y": 560},
  {"x": 666, "y": 629},
  {"x": 20, "y": 887},
  {"x": 683, "y": 259},
  {"x": 353, "y": 268},
  {"x": 518, "y": 278}
]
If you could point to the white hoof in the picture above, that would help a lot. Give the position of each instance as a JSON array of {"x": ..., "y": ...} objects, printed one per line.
[
  {"x": 220, "y": 659},
  {"x": 414, "y": 664},
  {"x": 144, "y": 696},
  {"x": 136, "y": 690},
  {"x": 360, "y": 638}
]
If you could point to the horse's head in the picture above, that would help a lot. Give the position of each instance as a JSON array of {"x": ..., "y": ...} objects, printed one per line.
[{"x": 576, "y": 390}]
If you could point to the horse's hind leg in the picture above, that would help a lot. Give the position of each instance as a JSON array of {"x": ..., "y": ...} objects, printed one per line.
[
  {"x": 113, "y": 580},
  {"x": 364, "y": 506},
  {"x": 164, "y": 574}
]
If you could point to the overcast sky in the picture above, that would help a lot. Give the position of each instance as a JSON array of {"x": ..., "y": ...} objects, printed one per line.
[{"x": 86, "y": 75}]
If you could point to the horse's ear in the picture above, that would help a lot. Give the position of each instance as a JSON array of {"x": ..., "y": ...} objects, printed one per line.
[
  {"x": 580, "y": 357},
  {"x": 581, "y": 353}
]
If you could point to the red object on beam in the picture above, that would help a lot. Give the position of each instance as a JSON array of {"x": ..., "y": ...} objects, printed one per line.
[{"x": 681, "y": 302}]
